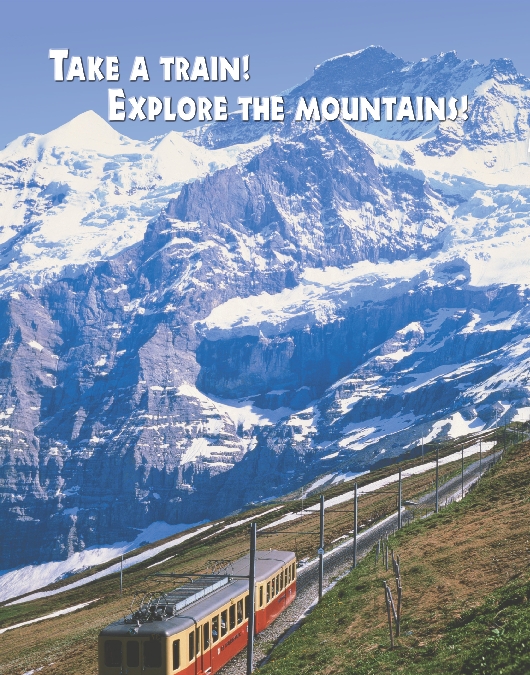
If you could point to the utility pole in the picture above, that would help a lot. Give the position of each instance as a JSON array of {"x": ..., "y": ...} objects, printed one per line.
[
  {"x": 321, "y": 551},
  {"x": 355, "y": 517},
  {"x": 399, "y": 501},
  {"x": 462, "y": 471},
  {"x": 121, "y": 575},
  {"x": 251, "y": 599},
  {"x": 436, "y": 506}
]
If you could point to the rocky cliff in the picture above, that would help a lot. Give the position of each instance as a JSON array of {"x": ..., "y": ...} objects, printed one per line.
[{"x": 184, "y": 332}]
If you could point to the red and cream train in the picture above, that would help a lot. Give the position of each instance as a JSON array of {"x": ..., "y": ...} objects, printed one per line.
[{"x": 198, "y": 627}]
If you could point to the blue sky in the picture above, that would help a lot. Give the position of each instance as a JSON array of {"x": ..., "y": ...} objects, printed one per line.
[{"x": 285, "y": 40}]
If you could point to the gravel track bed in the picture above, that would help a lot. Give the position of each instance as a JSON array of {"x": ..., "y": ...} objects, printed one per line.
[{"x": 337, "y": 563}]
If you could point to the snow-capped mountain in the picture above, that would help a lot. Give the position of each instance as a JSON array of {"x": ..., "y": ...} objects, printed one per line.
[
  {"x": 279, "y": 301},
  {"x": 84, "y": 192}
]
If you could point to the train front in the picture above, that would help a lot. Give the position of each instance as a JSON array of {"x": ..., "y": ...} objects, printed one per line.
[{"x": 136, "y": 649}]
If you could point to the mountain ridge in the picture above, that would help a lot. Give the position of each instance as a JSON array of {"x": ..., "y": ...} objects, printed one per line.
[{"x": 303, "y": 301}]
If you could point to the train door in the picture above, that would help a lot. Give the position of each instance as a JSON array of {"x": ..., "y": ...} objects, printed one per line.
[
  {"x": 151, "y": 657},
  {"x": 206, "y": 652},
  {"x": 131, "y": 657},
  {"x": 280, "y": 584}
]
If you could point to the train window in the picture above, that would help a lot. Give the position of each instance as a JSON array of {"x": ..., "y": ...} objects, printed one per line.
[
  {"x": 152, "y": 654},
  {"x": 215, "y": 628},
  {"x": 261, "y": 596},
  {"x": 133, "y": 653},
  {"x": 285, "y": 576},
  {"x": 268, "y": 591},
  {"x": 191, "y": 650},
  {"x": 281, "y": 581},
  {"x": 198, "y": 639},
  {"x": 239, "y": 611},
  {"x": 247, "y": 605},
  {"x": 176, "y": 654},
  {"x": 288, "y": 571},
  {"x": 224, "y": 623},
  {"x": 278, "y": 583},
  {"x": 232, "y": 616},
  {"x": 112, "y": 653},
  {"x": 206, "y": 635},
  {"x": 293, "y": 573}
]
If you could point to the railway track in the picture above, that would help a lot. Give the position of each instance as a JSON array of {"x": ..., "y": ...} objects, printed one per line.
[{"x": 337, "y": 563}]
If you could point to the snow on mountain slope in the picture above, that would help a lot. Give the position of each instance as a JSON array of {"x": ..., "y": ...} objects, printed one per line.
[
  {"x": 84, "y": 192},
  {"x": 36, "y": 576},
  {"x": 325, "y": 298}
]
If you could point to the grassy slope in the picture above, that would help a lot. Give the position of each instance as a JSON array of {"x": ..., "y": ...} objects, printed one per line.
[
  {"x": 73, "y": 647},
  {"x": 466, "y": 594}
]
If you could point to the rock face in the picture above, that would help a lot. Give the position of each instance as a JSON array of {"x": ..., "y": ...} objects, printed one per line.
[{"x": 319, "y": 297}]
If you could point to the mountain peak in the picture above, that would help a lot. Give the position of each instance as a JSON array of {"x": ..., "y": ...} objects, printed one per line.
[
  {"x": 87, "y": 131},
  {"x": 371, "y": 54}
]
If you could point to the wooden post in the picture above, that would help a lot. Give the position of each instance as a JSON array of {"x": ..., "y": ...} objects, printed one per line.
[
  {"x": 480, "y": 460},
  {"x": 389, "y": 615},
  {"x": 121, "y": 575},
  {"x": 251, "y": 599},
  {"x": 398, "y": 621}
]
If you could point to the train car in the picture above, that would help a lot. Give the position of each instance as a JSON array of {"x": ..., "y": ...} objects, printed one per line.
[{"x": 198, "y": 627}]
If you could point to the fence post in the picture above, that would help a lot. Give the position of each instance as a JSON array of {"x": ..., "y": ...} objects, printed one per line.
[
  {"x": 251, "y": 599},
  {"x": 398, "y": 622},
  {"x": 389, "y": 615}
]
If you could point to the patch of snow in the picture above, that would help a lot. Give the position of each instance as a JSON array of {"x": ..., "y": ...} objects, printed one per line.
[
  {"x": 239, "y": 411},
  {"x": 60, "y": 612},
  {"x": 31, "y": 577},
  {"x": 378, "y": 484},
  {"x": 35, "y": 345},
  {"x": 160, "y": 562},
  {"x": 242, "y": 522}
]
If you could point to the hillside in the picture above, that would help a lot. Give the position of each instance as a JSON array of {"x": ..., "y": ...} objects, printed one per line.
[
  {"x": 466, "y": 590},
  {"x": 74, "y": 644}
]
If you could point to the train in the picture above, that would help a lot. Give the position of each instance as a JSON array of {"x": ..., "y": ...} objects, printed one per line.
[{"x": 199, "y": 626}]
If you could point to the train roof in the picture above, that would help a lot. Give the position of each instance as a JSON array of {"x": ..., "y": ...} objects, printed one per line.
[{"x": 224, "y": 589}]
